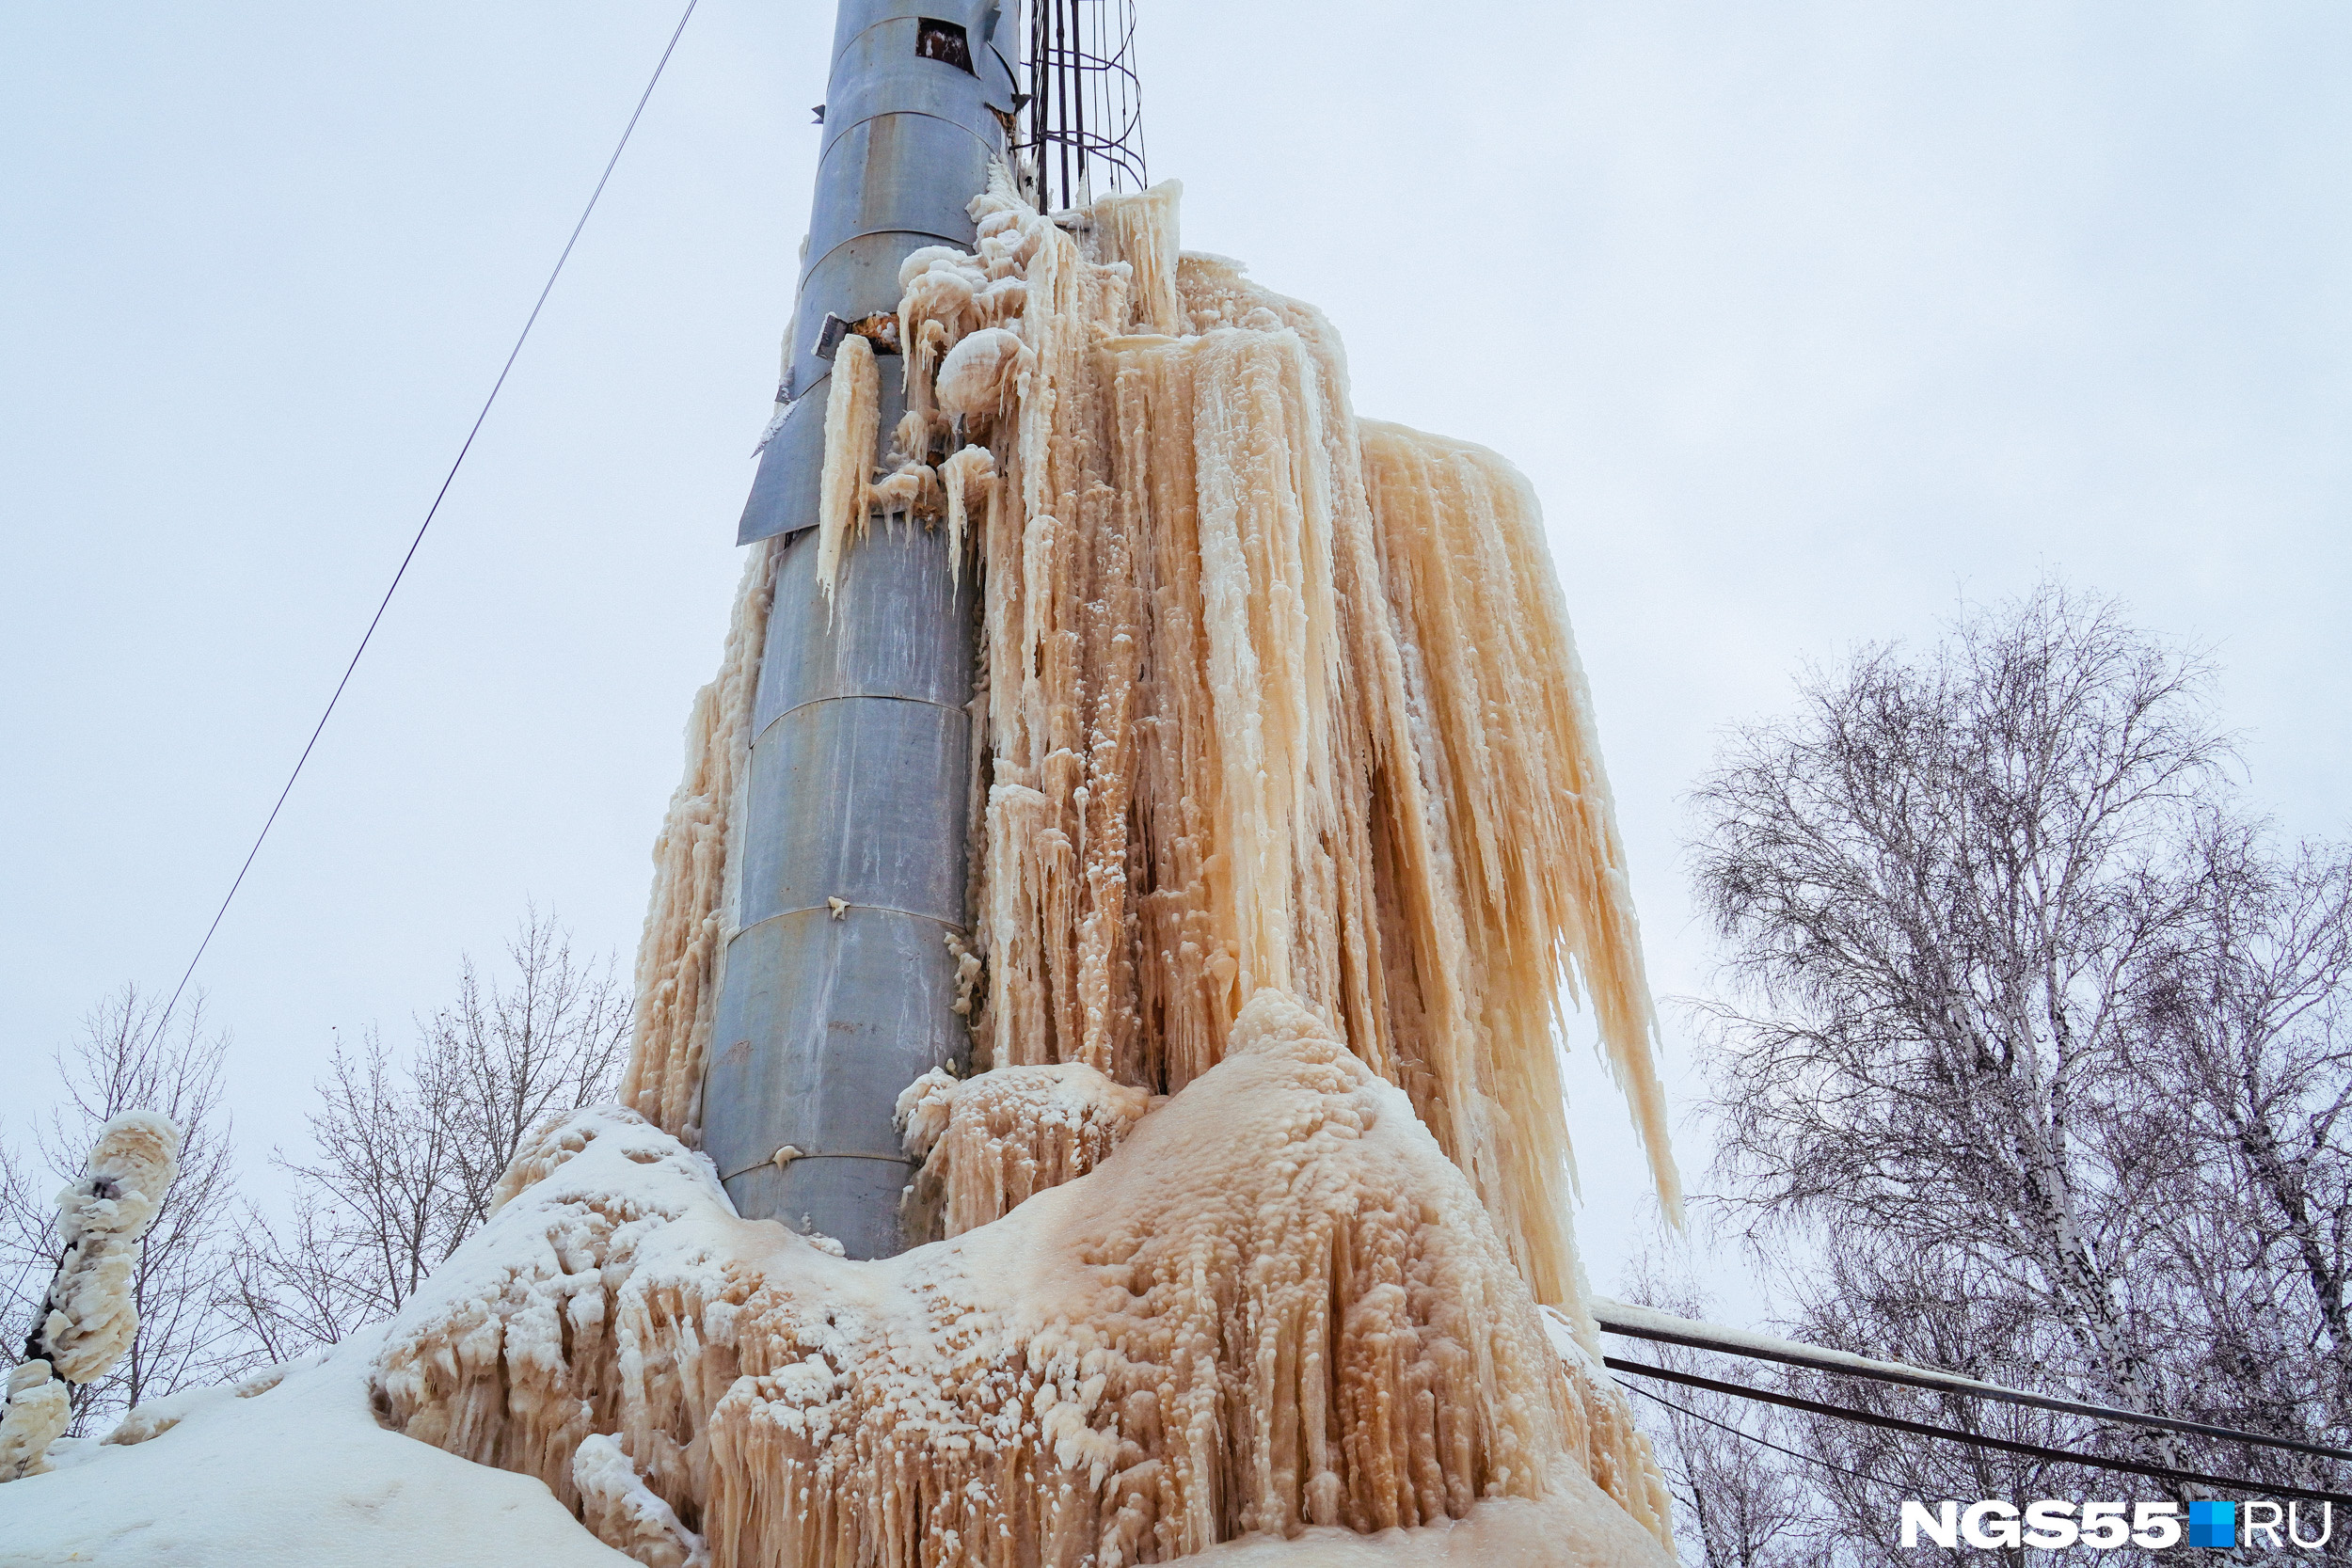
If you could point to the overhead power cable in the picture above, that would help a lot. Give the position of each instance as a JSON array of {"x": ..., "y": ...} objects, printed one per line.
[
  {"x": 1948, "y": 1434},
  {"x": 1642, "y": 1322},
  {"x": 1742, "y": 1431},
  {"x": 431, "y": 512}
]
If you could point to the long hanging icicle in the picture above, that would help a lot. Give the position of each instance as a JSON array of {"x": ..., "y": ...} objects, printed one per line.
[
  {"x": 692, "y": 909},
  {"x": 1514, "y": 758},
  {"x": 853, "y": 416},
  {"x": 1283, "y": 702}
]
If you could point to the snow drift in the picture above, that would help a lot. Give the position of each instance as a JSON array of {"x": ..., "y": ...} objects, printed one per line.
[{"x": 286, "y": 1470}]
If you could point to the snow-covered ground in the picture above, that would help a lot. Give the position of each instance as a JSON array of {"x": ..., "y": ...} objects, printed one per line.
[
  {"x": 614, "y": 1307},
  {"x": 295, "y": 1476},
  {"x": 301, "y": 1476}
]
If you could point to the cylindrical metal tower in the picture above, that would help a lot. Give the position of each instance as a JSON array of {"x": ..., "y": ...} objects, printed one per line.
[{"x": 861, "y": 737}]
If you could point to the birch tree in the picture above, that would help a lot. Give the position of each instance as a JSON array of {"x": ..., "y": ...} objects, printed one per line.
[
  {"x": 2033, "y": 1063},
  {"x": 1939, "y": 884},
  {"x": 2245, "y": 1034}
]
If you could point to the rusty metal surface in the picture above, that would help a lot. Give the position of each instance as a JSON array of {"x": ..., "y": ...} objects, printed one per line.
[{"x": 880, "y": 329}]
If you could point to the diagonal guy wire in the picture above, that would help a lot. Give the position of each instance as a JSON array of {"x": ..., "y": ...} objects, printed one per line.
[{"x": 431, "y": 512}]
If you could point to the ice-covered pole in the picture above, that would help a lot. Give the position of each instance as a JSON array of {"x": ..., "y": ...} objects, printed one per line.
[
  {"x": 91, "y": 1315},
  {"x": 838, "y": 981}
]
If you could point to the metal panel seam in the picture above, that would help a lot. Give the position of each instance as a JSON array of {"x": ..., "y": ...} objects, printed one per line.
[
  {"x": 825, "y": 152},
  {"x": 811, "y": 908},
  {"x": 761, "y": 1164},
  {"x": 837, "y": 138},
  {"x": 853, "y": 696},
  {"x": 869, "y": 233},
  {"x": 897, "y": 114}
]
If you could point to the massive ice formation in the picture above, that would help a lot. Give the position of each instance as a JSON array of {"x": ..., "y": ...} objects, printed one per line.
[
  {"x": 1291, "y": 835},
  {"x": 1271, "y": 697}
]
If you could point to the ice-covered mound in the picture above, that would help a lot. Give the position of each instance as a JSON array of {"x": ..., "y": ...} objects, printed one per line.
[{"x": 1275, "y": 1306}]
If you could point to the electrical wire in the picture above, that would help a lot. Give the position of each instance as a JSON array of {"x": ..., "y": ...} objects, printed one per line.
[
  {"x": 1920, "y": 1428},
  {"x": 1741, "y": 1431},
  {"x": 431, "y": 512},
  {"x": 1916, "y": 1377}
]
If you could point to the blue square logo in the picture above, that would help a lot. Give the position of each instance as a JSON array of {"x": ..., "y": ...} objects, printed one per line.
[{"x": 2211, "y": 1524}]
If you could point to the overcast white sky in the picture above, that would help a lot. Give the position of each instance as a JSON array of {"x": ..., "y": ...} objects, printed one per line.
[{"x": 1808, "y": 321}]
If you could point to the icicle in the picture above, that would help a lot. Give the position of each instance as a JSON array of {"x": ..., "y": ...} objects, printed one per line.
[
  {"x": 1142, "y": 231},
  {"x": 621, "y": 1510},
  {"x": 689, "y": 917},
  {"x": 972, "y": 465},
  {"x": 910, "y": 490},
  {"x": 1515, "y": 755},
  {"x": 1009, "y": 1135},
  {"x": 852, "y": 417}
]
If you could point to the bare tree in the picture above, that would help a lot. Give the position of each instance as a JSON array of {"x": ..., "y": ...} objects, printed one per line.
[
  {"x": 1939, "y": 883},
  {"x": 27, "y": 1253},
  {"x": 291, "y": 1282},
  {"x": 2038, "y": 1050},
  {"x": 129, "y": 1057},
  {"x": 2247, "y": 1031},
  {"x": 1741, "y": 1499},
  {"x": 503, "y": 1059},
  {"x": 408, "y": 1151},
  {"x": 379, "y": 1206}
]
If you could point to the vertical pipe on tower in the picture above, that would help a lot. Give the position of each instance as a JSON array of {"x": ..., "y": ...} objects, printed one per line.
[{"x": 837, "y": 983}]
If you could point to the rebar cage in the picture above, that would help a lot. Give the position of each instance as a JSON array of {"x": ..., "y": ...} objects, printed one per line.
[{"x": 1082, "y": 125}]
